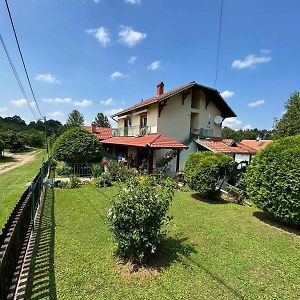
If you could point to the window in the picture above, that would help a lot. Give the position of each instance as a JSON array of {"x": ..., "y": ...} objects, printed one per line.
[{"x": 143, "y": 121}]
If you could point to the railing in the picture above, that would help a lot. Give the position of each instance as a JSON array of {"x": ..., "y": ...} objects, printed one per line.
[
  {"x": 15, "y": 232},
  {"x": 132, "y": 131},
  {"x": 202, "y": 133}
]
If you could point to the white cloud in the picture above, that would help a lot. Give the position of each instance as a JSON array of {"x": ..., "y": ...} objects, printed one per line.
[
  {"x": 256, "y": 103},
  {"x": 248, "y": 126},
  {"x": 130, "y": 37},
  {"x": 134, "y": 2},
  {"x": 227, "y": 94},
  {"x": 132, "y": 59},
  {"x": 154, "y": 65},
  {"x": 19, "y": 103},
  {"x": 3, "y": 109},
  {"x": 250, "y": 61},
  {"x": 101, "y": 34},
  {"x": 47, "y": 77},
  {"x": 56, "y": 114},
  {"x": 107, "y": 102},
  {"x": 117, "y": 74},
  {"x": 97, "y": 1},
  {"x": 113, "y": 111},
  {"x": 233, "y": 123},
  {"x": 83, "y": 103},
  {"x": 58, "y": 100}
]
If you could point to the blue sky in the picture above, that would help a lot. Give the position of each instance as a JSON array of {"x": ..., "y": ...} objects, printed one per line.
[{"x": 101, "y": 56}]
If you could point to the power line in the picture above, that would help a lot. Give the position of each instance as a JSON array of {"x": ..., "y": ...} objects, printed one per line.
[
  {"x": 219, "y": 41},
  {"x": 17, "y": 76},
  {"x": 19, "y": 48}
]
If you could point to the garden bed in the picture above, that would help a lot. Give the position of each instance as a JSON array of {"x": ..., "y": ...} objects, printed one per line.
[{"x": 214, "y": 250}]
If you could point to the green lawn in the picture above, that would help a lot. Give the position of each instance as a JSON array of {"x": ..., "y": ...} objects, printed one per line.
[
  {"x": 13, "y": 184},
  {"x": 214, "y": 251}
]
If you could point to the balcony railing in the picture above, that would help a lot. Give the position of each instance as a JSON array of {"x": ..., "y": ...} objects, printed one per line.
[
  {"x": 202, "y": 133},
  {"x": 132, "y": 131}
]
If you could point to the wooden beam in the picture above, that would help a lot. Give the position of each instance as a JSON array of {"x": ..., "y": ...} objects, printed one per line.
[
  {"x": 161, "y": 105},
  {"x": 177, "y": 161},
  {"x": 184, "y": 95},
  {"x": 150, "y": 161}
]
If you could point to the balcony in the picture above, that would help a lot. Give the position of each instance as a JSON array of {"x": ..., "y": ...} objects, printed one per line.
[{"x": 132, "y": 131}]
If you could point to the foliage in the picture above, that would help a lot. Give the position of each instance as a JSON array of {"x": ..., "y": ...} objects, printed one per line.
[
  {"x": 137, "y": 217},
  {"x": 2, "y": 146},
  {"x": 289, "y": 123},
  {"x": 97, "y": 170},
  {"x": 246, "y": 134},
  {"x": 102, "y": 121},
  {"x": 104, "y": 180},
  {"x": 74, "y": 182},
  {"x": 76, "y": 146},
  {"x": 202, "y": 170},
  {"x": 63, "y": 170},
  {"x": 14, "y": 141},
  {"x": 119, "y": 172},
  {"x": 75, "y": 118},
  {"x": 273, "y": 180}
]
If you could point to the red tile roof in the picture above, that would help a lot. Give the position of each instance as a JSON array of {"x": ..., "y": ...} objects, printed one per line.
[
  {"x": 226, "y": 146},
  {"x": 101, "y": 133},
  {"x": 256, "y": 144},
  {"x": 213, "y": 94},
  {"x": 151, "y": 140}
]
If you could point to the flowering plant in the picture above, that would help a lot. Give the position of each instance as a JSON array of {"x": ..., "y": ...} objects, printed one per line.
[{"x": 137, "y": 217}]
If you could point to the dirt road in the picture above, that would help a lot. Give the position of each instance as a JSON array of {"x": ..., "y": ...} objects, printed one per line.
[{"x": 17, "y": 160}]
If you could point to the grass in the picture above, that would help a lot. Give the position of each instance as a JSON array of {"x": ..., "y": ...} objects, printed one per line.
[
  {"x": 214, "y": 250},
  {"x": 13, "y": 184}
]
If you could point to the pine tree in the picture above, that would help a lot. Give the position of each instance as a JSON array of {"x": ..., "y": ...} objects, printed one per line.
[
  {"x": 75, "y": 118},
  {"x": 289, "y": 123},
  {"x": 102, "y": 121}
]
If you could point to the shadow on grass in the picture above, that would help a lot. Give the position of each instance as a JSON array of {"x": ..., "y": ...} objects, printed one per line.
[
  {"x": 266, "y": 219},
  {"x": 171, "y": 250},
  {"x": 213, "y": 200},
  {"x": 7, "y": 159},
  {"x": 42, "y": 276}
]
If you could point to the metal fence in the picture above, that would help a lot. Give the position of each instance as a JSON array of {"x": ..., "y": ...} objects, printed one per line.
[{"x": 15, "y": 232}]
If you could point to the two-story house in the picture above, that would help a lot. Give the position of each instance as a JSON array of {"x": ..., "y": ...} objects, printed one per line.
[{"x": 168, "y": 124}]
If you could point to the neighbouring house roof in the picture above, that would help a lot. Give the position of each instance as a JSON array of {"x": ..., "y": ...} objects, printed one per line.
[
  {"x": 226, "y": 146},
  {"x": 156, "y": 140},
  {"x": 256, "y": 144},
  {"x": 212, "y": 94},
  {"x": 101, "y": 133}
]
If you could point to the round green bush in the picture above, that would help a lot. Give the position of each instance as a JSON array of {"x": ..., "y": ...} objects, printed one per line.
[
  {"x": 77, "y": 146},
  {"x": 137, "y": 217},
  {"x": 2, "y": 146},
  {"x": 273, "y": 180},
  {"x": 202, "y": 170}
]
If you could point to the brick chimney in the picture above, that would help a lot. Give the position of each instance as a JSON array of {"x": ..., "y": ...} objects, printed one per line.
[
  {"x": 93, "y": 127},
  {"x": 160, "y": 89}
]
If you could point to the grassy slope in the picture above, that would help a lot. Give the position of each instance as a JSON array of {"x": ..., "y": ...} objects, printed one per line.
[
  {"x": 217, "y": 251},
  {"x": 13, "y": 184}
]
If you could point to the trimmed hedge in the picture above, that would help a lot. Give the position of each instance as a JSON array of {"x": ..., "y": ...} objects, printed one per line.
[
  {"x": 273, "y": 180},
  {"x": 202, "y": 170},
  {"x": 77, "y": 145}
]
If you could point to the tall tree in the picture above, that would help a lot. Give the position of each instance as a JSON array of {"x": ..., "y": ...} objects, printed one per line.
[
  {"x": 102, "y": 121},
  {"x": 75, "y": 118},
  {"x": 289, "y": 123}
]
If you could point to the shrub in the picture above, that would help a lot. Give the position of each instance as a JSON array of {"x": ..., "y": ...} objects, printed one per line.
[
  {"x": 77, "y": 146},
  {"x": 63, "y": 170},
  {"x": 137, "y": 217},
  {"x": 74, "y": 182},
  {"x": 119, "y": 172},
  {"x": 203, "y": 169},
  {"x": 2, "y": 146},
  {"x": 273, "y": 180},
  {"x": 97, "y": 170},
  {"x": 104, "y": 180}
]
